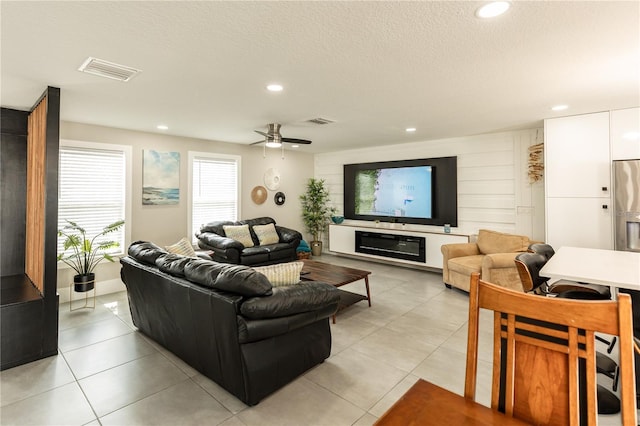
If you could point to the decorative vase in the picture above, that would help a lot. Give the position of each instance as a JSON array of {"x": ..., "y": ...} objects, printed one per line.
[
  {"x": 84, "y": 283},
  {"x": 316, "y": 248}
]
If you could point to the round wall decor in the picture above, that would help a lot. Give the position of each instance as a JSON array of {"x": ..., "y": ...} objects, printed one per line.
[
  {"x": 279, "y": 198},
  {"x": 259, "y": 194},
  {"x": 272, "y": 179}
]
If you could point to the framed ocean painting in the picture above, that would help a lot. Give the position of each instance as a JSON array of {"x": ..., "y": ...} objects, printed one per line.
[{"x": 160, "y": 177}]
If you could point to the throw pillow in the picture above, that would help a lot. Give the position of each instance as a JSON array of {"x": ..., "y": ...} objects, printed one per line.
[
  {"x": 182, "y": 247},
  {"x": 266, "y": 234},
  {"x": 282, "y": 274},
  {"x": 239, "y": 233}
]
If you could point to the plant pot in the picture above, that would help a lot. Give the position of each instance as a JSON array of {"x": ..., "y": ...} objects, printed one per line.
[
  {"x": 83, "y": 283},
  {"x": 316, "y": 248}
]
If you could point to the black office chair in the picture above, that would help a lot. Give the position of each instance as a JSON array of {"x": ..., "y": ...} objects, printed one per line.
[{"x": 570, "y": 289}]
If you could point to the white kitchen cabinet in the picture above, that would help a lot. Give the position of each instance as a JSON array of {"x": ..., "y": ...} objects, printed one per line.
[
  {"x": 625, "y": 134},
  {"x": 578, "y": 181},
  {"x": 577, "y": 156},
  {"x": 579, "y": 222}
]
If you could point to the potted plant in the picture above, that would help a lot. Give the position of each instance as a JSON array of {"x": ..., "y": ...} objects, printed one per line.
[
  {"x": 85, "y": 253},
  {"x": 316, "y": 212}
]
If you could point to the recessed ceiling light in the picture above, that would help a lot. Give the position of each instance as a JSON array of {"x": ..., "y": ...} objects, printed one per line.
[
  {"x": 162, "y": 127},
  {"x": 410, "y": 129},
  {"x": 275, "y": 88},
  {"x": 493, "y": 9},
  {"x": 559, "y": 107},
  {"x": 295, "y": 146}
]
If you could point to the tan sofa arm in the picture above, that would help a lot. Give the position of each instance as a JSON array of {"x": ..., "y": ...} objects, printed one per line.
[
  {"x": 500, "y": 269},
  {"x": 449, "y": 251},
  {"x": 499, "y": 260}
]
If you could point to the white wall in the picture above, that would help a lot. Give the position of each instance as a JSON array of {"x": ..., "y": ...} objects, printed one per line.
[
  {"x": 493, "y": 187},
  {"x": 493, "y": 190},
  {"x": 167, "y": 224}
]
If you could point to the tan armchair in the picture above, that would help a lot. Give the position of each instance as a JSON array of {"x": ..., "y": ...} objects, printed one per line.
[{"x": 493, "y": 256}]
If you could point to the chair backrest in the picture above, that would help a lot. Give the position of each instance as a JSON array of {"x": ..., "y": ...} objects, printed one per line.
[
  {"x": 541, "y": 248},
  {"x": 544, "y": 368},
  {"x": 528, "y": 266}
]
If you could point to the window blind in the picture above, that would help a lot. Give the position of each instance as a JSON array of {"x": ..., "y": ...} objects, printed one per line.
[
  {"x": 215, "y": 191},
  {"x": 92, "y": 192}
]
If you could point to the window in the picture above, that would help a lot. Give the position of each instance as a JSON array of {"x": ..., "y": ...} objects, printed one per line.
[
  {"x": 214, "y": 181},
  {"x": 93, "y": 189}
]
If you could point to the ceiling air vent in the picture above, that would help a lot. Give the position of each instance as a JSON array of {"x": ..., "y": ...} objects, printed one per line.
[
  {"x": 319, "y": 121},
  {"x": 108, "y": 69}
]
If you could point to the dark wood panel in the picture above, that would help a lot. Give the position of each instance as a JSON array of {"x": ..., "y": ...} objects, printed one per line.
[
  {"x": 13, "y": 121},
  {"x": 29, "y": 318},
  {"x": 21, "y": 339},
  {"x": 13, "y": 190}
]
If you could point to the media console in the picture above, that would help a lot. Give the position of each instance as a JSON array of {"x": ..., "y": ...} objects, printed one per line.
[
  {"x": 392, "y": 243},
  {"x": 398, "y": 246}
]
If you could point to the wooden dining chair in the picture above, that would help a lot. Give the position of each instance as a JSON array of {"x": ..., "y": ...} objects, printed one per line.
[{"x": 544, "y": 368}]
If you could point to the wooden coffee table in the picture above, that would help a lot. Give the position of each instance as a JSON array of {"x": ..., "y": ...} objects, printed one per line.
[{"x": 337, "y": 276}]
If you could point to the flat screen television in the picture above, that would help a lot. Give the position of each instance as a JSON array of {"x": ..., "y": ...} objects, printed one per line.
[{"x": 422, "y": 191}]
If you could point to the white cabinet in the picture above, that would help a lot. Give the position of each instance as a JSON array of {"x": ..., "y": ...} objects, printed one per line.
[
  {"x": 579, "y": 222},
  {"x": 625, "y": 134},
  {"x": 578, "y": 181},
  {"x": 577, "y": 156},
  {"x": 342, "y": 239}
]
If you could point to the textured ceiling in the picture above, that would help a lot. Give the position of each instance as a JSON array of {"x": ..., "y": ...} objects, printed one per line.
[{"x": 374, "y": 68}]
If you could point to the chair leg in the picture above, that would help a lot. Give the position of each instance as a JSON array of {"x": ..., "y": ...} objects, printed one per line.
[{"x": 610, "y": 344}]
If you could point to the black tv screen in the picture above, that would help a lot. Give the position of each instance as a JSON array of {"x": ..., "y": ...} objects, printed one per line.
[{"x": 422, "y": 191}]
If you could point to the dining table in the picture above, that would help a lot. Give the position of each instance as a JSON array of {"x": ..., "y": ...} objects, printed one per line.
[{"x": 617, "y": 269}]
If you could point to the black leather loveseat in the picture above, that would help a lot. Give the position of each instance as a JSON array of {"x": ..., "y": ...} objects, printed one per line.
[
  {"x": 213, "y": 237},
  {"x": 227, "y": 321}
]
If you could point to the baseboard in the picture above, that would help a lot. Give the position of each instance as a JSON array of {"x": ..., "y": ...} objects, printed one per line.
[{"x": 102, "y": 287}]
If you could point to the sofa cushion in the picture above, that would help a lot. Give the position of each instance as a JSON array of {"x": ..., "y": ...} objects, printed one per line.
[
  {"x": 289, "y": 300},
  {"x": 237, "y": 279},
  {"x": 497, "y": 242},
  {"x": 145, "y": 252},
  {"x": 282, "y": 273},
  {"x": 266, "y": 234},
  {"x": 467, "y": 264},
  {"x": 239, "y": 233},
  {"x": 173, "y": 264},
  {"x": 182, "y": 247}
]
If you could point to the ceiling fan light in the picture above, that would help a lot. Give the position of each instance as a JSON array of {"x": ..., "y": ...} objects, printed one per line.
[{"x": 273, "y": 144}]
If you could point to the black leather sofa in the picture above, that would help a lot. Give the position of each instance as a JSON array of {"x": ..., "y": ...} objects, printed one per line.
[
  {"x": 227, "y": 321},
  {"x": 213, "y": 238}
]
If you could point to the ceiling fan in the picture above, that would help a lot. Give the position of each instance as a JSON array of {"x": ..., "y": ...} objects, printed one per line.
[{"x": 273, "y": 138}]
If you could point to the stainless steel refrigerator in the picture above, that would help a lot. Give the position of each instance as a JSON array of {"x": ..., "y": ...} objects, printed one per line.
[{"x": 626, "y": 187}]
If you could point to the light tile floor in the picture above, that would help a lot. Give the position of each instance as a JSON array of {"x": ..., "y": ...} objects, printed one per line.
[{"x": 110, "y": 374}]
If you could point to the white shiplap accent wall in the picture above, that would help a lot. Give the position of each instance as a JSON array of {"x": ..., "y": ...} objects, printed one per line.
[{"x": 493, "y": 189}]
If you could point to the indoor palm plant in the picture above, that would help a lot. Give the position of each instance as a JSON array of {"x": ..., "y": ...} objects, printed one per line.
[
  {"x": 316, "y": 211},
  {"x": 83, "y": 253}
]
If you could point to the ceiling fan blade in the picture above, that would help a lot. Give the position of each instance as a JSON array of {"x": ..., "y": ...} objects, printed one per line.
[
  {"x": 261, "y": 133},
  {"x": 294, "y": 140},
  {"x": 256, "y": 143}
]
